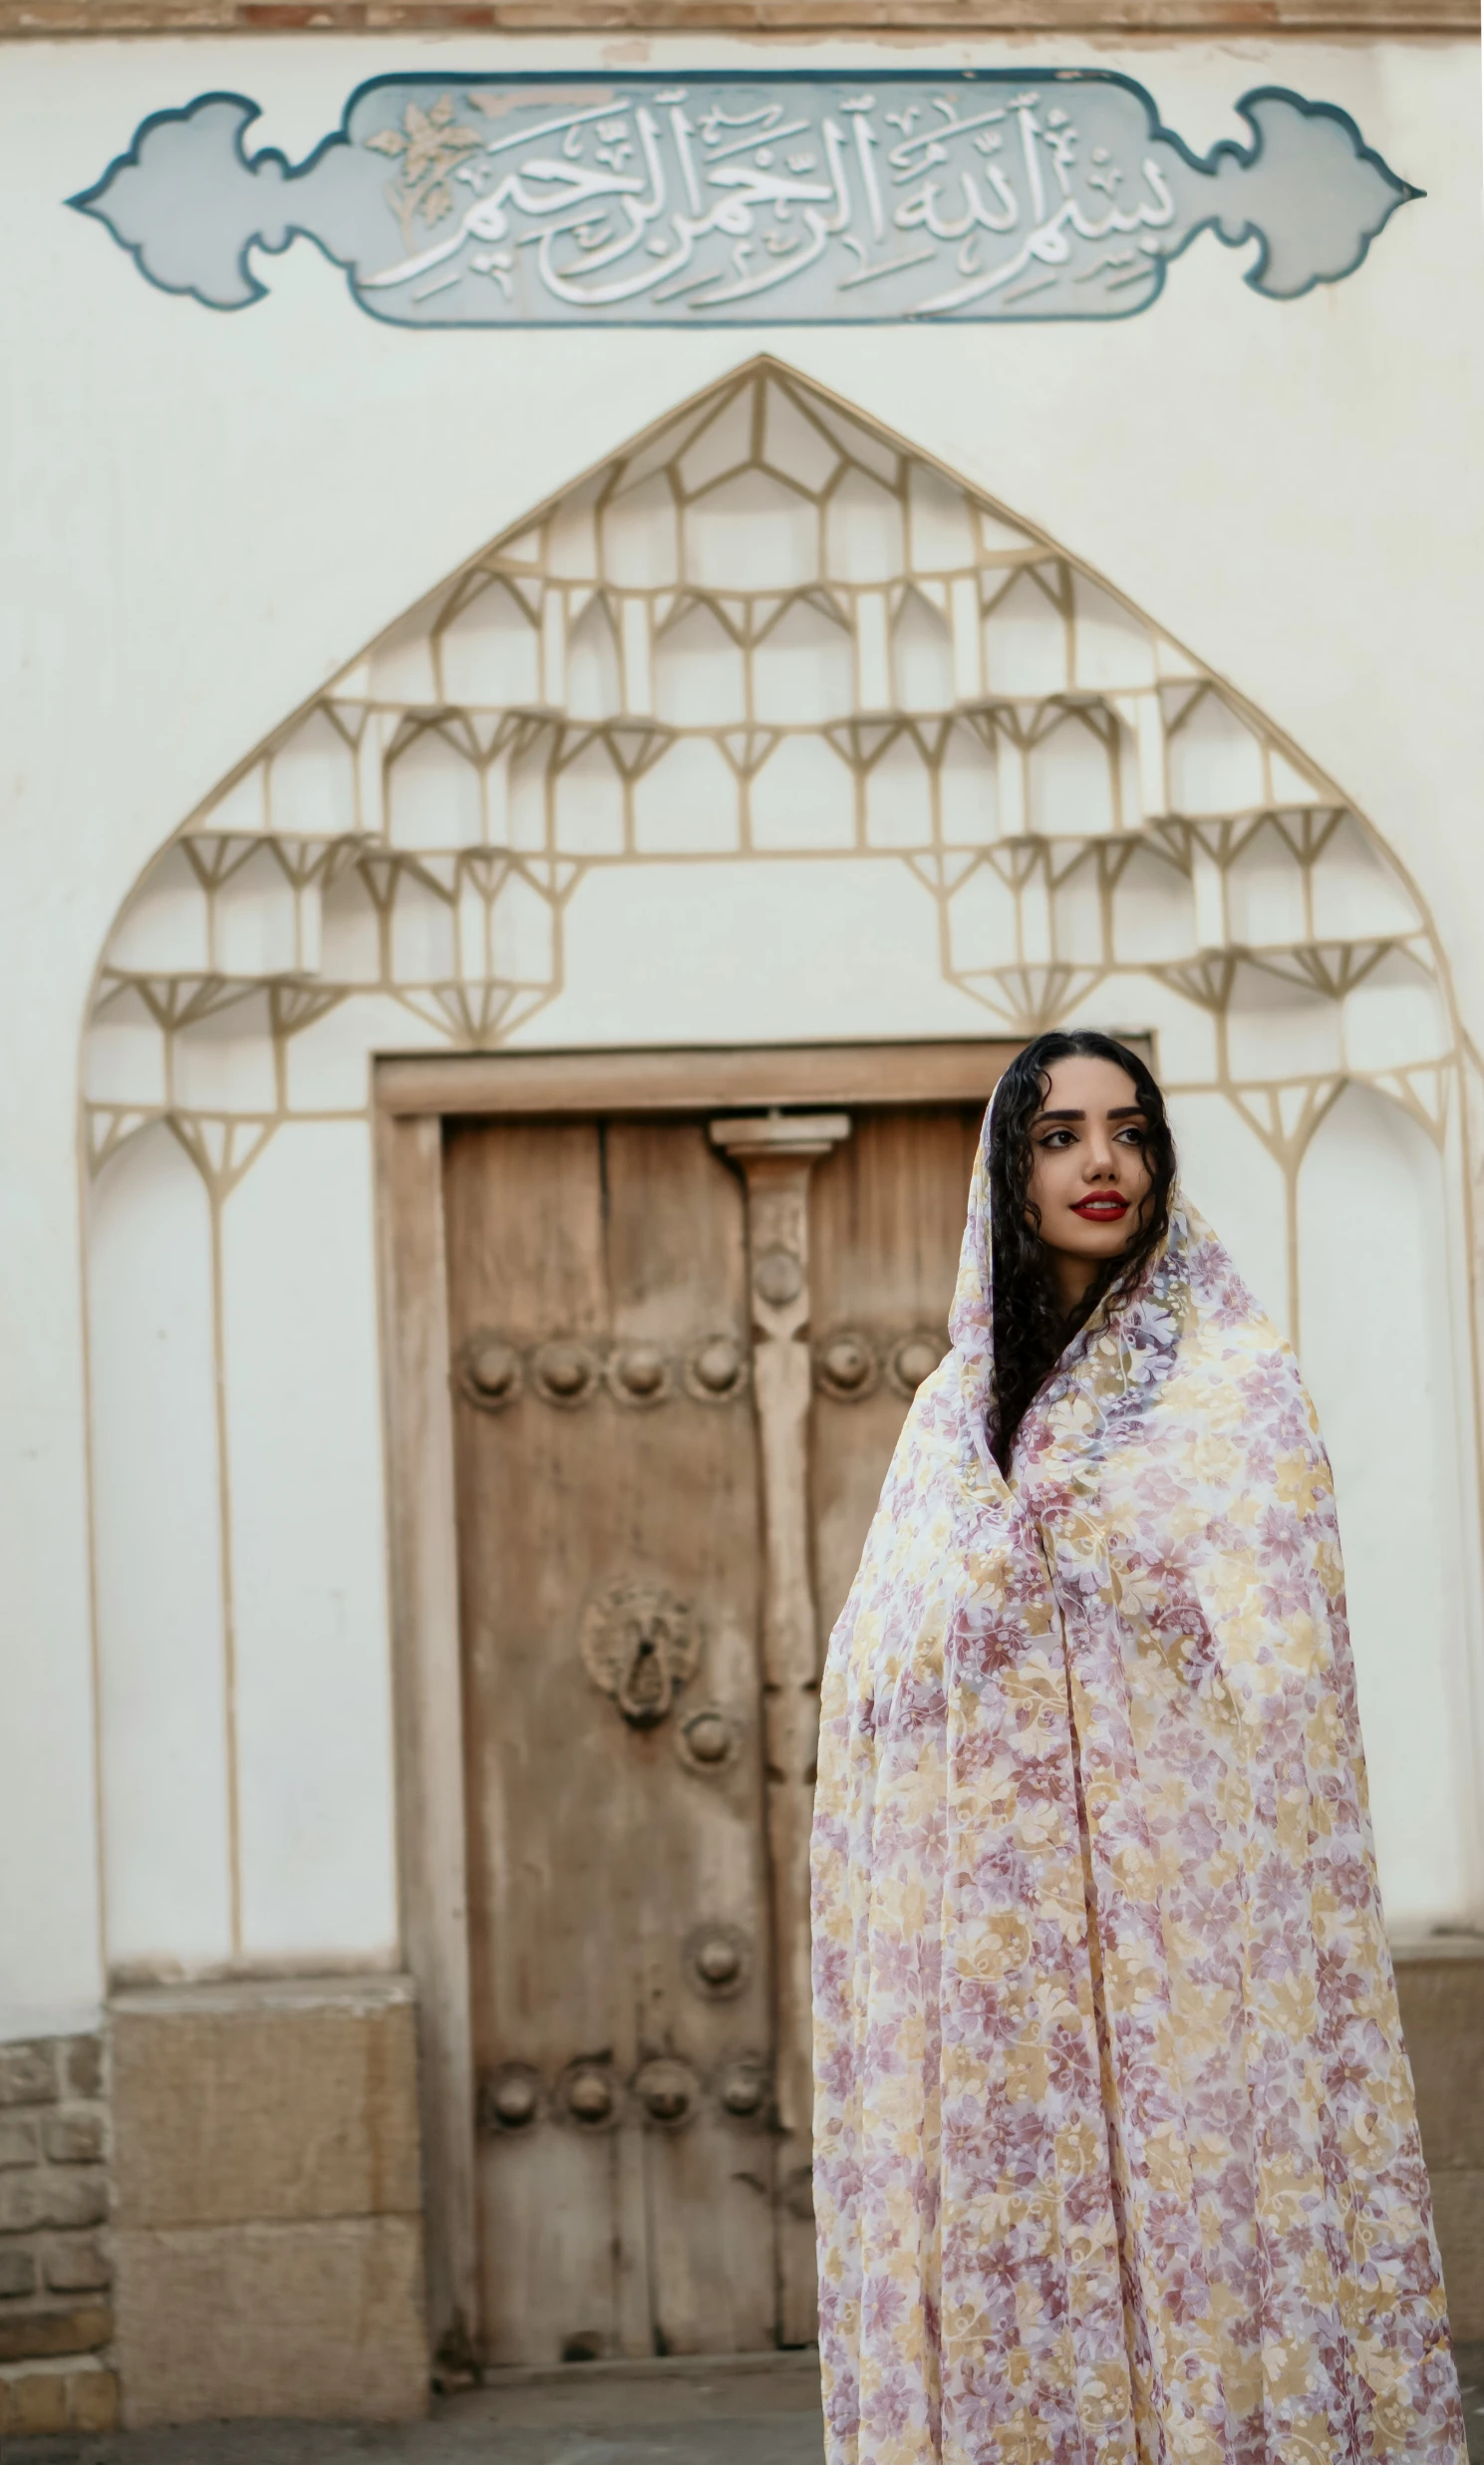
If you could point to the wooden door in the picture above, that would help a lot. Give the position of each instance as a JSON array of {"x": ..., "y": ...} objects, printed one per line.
[
  {"x": 682, "y": 1353},
  {"x": 618, "y": 1903}
]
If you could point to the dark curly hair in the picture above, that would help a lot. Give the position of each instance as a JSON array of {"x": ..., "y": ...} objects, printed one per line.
[{"x": 1031, "y": 1329}]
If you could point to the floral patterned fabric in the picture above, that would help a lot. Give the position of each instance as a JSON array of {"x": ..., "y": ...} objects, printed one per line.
[{"x": 1115, "y": 2153}]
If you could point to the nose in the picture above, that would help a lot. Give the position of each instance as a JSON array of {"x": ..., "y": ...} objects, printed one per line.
[{"x": 1099, "y": 1163}]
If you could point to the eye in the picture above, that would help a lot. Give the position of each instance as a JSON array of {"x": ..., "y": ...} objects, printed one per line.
[
  {"x": 1133, "y": 1135},
  {"x": 1056, "y": 1139}
]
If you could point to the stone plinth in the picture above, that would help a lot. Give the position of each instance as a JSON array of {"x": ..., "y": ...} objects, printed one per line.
[{"x": 269, "y": 2233}]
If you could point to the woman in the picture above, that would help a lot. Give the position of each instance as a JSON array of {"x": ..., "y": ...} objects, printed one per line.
[{"x": 1116, "y": 2156}]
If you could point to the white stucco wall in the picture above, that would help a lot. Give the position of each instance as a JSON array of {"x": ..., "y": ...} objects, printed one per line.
[{"x": 207, "y": 515}]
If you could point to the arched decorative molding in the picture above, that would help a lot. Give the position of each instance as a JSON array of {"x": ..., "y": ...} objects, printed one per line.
[
  {"x": 768, "y": 665},
  {"x": 767, "y": 633}
]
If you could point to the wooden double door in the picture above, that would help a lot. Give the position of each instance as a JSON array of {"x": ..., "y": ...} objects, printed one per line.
[{"x": 682, "y": 1346}]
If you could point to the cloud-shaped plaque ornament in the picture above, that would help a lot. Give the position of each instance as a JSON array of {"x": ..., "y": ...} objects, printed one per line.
[{"x": 800, "y": 198}]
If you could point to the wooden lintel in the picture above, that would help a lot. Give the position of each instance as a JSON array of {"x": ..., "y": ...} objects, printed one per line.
[{"x": 695, "y": 1079}]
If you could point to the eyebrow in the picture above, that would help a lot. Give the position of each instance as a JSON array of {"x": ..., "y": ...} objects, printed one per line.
[{"x": 1120, "y": 1112}]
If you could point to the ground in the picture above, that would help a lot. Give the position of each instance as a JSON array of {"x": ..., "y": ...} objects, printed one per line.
[
  {"x": 758, "y": 2410},
  {"x": 686, "y": 2413}
]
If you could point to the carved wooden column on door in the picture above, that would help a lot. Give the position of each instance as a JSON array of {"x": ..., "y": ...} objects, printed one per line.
[{"x": 775, "y": 1154}]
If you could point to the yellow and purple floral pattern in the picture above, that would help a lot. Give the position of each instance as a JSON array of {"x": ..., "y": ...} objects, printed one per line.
[{"x": 1117, "y": 2155}]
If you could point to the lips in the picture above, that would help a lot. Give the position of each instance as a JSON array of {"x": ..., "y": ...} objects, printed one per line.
[{"x": 1102, "y": 1207}]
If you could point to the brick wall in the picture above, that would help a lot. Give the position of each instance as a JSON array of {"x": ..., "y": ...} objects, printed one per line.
[
  {"x": 215, "y": 2210},
  {"x": 56, "y": 2264}
]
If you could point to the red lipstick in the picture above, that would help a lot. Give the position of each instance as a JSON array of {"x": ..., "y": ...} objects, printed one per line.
[{"x": 1102, "y": 1206}]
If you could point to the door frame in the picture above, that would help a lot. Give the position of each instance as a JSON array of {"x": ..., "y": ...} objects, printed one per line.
[{"x": 413, "y": 1097}]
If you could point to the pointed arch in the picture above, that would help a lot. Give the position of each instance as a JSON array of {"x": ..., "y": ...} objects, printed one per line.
[{"x": 767, "y": 633}]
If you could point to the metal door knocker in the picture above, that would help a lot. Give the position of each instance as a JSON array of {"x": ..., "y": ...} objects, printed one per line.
[{"x": 640, "y": 1644}]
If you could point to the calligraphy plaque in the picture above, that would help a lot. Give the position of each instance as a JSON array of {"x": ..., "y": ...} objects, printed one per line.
[{"x": 729, "y": 198}]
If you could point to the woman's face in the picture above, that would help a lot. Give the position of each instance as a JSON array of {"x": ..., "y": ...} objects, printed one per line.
[{"x": 1088, "y": 1176}]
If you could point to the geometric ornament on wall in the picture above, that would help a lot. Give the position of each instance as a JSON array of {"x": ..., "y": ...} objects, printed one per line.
[{"x": 767, "y": 634}]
